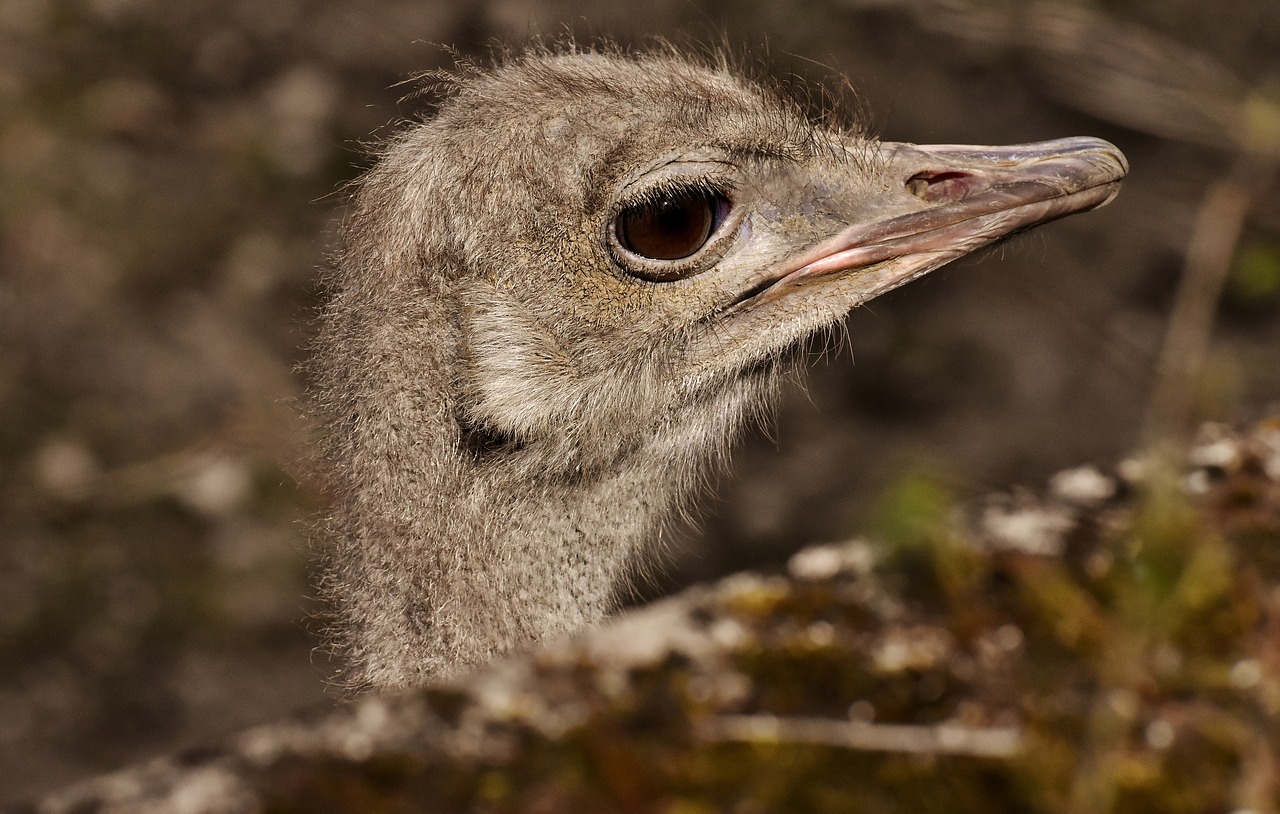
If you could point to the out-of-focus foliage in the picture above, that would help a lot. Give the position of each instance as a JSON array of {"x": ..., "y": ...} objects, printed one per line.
[
  {"x": 1255, "y": 281},
  {"x": 1106, "y": 646}
]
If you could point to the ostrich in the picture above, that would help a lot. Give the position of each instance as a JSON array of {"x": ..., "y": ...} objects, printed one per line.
[{"x": 556, "y": 302}]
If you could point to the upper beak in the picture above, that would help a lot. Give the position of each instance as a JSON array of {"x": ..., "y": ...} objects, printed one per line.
[{"x": 969, "y": 197}]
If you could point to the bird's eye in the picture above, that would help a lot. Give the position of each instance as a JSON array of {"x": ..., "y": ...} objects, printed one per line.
[{"x": 673, "y": 225}]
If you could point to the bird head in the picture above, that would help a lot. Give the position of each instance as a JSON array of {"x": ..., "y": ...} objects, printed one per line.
[
  {"x": 622, "y": 236},
  {"x": 558, "y": 297}
]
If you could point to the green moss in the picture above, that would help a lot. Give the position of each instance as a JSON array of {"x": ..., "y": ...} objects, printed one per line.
[{"x": 1254, "y": 283}]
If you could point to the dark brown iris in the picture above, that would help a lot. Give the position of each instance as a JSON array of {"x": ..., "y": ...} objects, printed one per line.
[{"x": 672, "y": 226}]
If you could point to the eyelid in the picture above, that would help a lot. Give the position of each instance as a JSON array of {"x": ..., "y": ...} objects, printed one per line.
[
  {"x": 722, "y": 186},
  {"x": 716, "y": 171}
]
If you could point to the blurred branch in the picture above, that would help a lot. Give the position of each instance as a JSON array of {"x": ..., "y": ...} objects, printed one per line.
[
  {"x": 948, "y": 739},
  {"x": 1093, "y": 62},
  {"x": 1214, "y": 238},
  {"x": 1129, "y": 75},
  {"x": 204, "y": 476}
]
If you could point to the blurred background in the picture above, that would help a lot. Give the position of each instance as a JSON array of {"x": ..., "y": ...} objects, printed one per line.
[{"x": 169, "y": 176}]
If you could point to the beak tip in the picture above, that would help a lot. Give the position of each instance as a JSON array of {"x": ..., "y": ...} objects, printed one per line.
[{"x": 1113, "y": 153}]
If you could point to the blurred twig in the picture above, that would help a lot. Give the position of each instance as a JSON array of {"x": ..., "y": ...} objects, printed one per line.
[
  {"x": 1124, "y": 73},
  {"x": 1218, "y": 226},
  {"x": 944, "y": 739},
  {"x": 1115, "y": 70}
]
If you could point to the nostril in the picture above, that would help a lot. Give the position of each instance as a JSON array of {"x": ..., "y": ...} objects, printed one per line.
[
  {"x": 917, "y": 185},
  {"x": 941, "y": 186}
]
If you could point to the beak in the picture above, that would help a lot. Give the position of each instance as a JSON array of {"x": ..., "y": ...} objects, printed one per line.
[{"x": 965, "y": 197}]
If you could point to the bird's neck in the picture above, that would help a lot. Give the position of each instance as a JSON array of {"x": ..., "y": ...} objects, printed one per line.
[{"x": 457, "y": 553}]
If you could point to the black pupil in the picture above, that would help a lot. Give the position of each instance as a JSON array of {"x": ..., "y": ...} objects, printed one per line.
[{"x": 674, "y": 226}]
